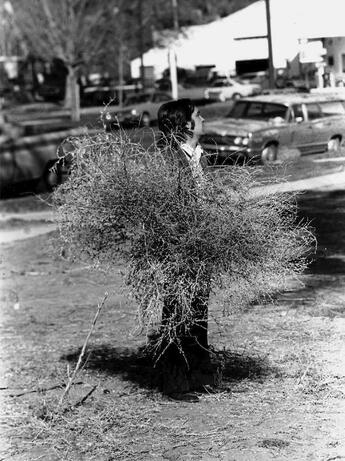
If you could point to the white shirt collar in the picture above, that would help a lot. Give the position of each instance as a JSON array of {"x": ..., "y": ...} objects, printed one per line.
[{"x": 190, "y": 151}]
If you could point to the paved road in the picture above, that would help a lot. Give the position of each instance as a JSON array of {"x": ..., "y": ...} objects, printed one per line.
[
  {"x": 26, "y": 232},
  {"x": 333, "y": 181}
]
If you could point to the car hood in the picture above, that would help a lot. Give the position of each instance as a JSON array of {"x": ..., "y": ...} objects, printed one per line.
[{"x": 240, "y": 127}]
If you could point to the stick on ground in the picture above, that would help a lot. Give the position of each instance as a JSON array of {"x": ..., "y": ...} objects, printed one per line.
[{"x": 82, "y": 353}]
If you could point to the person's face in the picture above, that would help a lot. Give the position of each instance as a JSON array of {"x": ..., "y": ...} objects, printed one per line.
[{"x": 198, "y": 123}]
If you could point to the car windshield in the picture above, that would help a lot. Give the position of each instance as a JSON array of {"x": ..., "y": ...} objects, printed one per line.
[
  {"x": 257, "y": 110},
  {"x": 138, "y": 99},
  {"x": 220, "y": 83}
]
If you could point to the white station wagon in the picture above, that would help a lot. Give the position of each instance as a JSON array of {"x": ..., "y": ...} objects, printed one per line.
[
  {"x": 224, "y": 89},
  {"x": 259, "y": 127}
]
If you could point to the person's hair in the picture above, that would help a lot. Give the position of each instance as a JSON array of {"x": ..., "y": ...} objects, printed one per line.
[{"x": 173, "y": 117}]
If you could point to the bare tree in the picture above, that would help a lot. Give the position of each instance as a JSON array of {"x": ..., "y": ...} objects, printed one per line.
[{"x": 71, "y": 30}]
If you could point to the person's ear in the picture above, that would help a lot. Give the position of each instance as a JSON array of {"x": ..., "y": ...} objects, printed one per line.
[
  {"x": 190, "y": 125},
  {"x": 188, "y": 130}
]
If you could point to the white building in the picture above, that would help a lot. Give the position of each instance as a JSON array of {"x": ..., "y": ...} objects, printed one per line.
[{"x": 235, "y": 41}]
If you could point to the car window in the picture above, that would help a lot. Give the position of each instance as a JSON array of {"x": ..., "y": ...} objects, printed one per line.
[
  {"x": 161, "y": 97},
  {"x": 258, "y": 110},
  {"x": 298, "y": 111},
  {"x": 313, "y": 111},
  {"x": 238, "y": 110},
  {"x": 221, "y": 83},
  {"x": 332, "y": 108},
  {"x": 254, "y": 110},
  {"x": 138, "y": 99},
  {"x": 275, "y": 110}
]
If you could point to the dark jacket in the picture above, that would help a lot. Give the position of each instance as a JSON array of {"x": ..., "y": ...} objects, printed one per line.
[{"x": 175, "y": 153}]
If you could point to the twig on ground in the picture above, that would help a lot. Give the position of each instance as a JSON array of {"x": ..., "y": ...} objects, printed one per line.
[
  {"x": 81, "y": 401},
  {"x": 43, "y": 389},
  {"x": 81, "y": 355}
]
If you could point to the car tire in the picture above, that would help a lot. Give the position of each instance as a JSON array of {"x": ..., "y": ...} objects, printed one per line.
[
  {"x": 236, "y": 96},
  {"x": 334, "y": 144},
  {"x": 145, "y": 119},
  {"x": 269, "y": 154}
]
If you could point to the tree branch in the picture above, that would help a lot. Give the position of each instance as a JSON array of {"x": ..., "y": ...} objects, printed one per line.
[{"x": 54, "y": 30}]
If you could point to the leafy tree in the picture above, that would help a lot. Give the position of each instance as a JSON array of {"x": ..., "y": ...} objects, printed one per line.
[{"x": 182, "y": 242}]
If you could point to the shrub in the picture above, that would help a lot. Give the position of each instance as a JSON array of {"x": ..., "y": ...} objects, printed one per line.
[{"x": 181, "y": 239}]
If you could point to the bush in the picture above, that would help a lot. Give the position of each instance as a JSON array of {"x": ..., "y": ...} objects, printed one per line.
[{"x": 181, "y": 239}]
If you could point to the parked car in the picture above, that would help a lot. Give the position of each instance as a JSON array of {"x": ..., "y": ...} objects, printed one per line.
[
  {"x": 51, "y": 92},
  {"x": 139, "y": 110},
  {"x": 31, "y": 163},
  {"x": 258, "y": 127},
  {"x": 96, "y": 95},
  {"x": 260, "y": 78},
  {"x": 223, "y": 89}
]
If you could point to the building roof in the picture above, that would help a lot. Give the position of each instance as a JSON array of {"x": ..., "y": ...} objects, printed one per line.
[
  {"x": 243, "y": 34},
  {"x": 302, "y": 18}
]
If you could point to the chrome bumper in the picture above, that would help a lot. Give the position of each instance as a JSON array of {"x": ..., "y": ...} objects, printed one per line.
[{"x": 225, "y": 149}]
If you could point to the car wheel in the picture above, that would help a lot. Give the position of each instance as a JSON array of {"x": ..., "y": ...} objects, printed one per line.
[
  {"x": 236, "y": 96},
  {"x": 145, "y": 119},
  {"x": 269, "y": 153},
  {"x": 334, "y": 145}
]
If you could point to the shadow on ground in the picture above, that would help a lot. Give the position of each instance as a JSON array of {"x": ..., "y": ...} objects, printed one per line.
[
  {"x": 325, "y": 211},
  {"x": 324, "y": 265},
  {"x": 135, "y": 365}
]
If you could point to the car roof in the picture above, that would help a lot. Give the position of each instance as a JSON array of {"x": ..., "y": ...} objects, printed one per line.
[{"x": 293, "y": 98}]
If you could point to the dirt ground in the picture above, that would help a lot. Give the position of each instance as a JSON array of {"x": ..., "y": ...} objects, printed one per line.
[{"x": 283, "y": 392}]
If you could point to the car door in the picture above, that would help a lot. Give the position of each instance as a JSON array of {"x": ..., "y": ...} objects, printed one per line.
[
  {"x": 278, "y": 116},
  {"x": 301, "y": 129},
  {"x": 228, "y": 90},
  {"x": 317, "y": 125},
  {"x": 333, "y": 113}
]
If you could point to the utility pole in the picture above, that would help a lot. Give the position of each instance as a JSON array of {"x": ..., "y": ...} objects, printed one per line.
[
  {"x": 271, "y": 69},
  {"x": 175, "y": 15},
  {"x": 120, "y": 72},
  {"x": 141, "y": 43},
  {"x": 119, "y": 27},
  {"x": 172, "y": 53}
]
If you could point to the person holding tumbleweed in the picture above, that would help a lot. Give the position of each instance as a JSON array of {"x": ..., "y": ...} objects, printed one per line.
[{"x": 183, "y": 233}]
